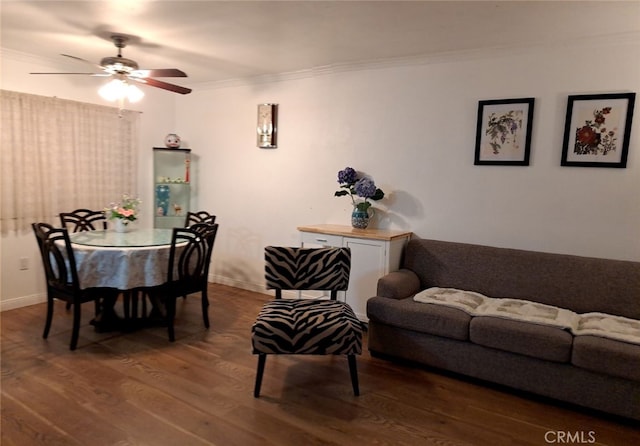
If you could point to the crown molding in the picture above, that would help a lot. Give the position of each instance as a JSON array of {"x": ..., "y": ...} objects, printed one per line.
[{"x": 620, "y": 39}]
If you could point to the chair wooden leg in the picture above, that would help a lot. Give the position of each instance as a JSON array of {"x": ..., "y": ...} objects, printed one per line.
[
  {"x": 353, "y": 370},
  {"x": 205, "y": 309},
  {"x": 126, "y": 304},
  {"x": 144, "y": 304},
  {"x": 262, "y": 357},
  {"x": 47, "y": 323},
  {"x": 134, "y": 305},
  {"x": 76, "y": 326},
  {"x": 171, "y": 314}
]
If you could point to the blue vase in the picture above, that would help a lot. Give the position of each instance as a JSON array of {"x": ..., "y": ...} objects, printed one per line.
[
  {"x": 162, "y": 199},
  {"x": 359, "y": 218}
]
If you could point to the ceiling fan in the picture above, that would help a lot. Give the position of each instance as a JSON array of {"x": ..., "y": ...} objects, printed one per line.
[{"x": 125, "y": 69}]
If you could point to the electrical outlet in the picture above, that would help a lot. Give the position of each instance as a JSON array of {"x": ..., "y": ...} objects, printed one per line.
[{"x": 24, "y": 263}]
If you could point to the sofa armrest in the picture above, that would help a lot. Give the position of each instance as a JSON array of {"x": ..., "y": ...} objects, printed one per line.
[{"x": 399, "y": 284}]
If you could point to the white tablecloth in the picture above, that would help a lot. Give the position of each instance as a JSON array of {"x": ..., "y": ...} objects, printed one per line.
[{"x": 121, "y": 267}]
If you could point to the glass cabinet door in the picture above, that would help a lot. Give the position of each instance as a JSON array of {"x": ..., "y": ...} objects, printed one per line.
[{"x": 172, "y": 186}]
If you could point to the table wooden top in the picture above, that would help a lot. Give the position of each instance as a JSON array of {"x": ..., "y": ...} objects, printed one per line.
[{"x": 348, "y": 231}]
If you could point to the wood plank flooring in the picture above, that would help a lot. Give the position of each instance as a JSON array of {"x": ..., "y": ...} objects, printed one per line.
[{"x": 138, "y": 389}]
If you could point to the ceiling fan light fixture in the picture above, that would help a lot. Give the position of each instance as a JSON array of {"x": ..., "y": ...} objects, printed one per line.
[
  {"x": 119, "y": 64},
  {"x": 134, "y": 94},
  {"x": 119, "y": 90}
]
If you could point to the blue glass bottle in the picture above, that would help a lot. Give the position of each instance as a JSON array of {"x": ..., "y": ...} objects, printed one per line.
[{"x": 163, "y": 193}]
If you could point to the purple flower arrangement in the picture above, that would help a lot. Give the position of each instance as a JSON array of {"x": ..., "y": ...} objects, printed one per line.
[{"x": 358, "y": 187}]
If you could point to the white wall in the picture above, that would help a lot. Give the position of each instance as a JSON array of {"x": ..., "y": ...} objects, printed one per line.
[{"x": 412, "y": 128}]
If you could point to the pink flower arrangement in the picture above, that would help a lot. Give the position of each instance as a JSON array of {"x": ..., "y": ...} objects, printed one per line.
[{"x": 126, "y": 209}]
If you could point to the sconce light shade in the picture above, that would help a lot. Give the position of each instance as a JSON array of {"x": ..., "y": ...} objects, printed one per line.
[
  {"x": 267, "y": 126},
  {"x": 119, "y": 90}
]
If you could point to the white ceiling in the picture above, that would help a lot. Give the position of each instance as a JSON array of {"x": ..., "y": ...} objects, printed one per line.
[{"x": 216, "y": 41}]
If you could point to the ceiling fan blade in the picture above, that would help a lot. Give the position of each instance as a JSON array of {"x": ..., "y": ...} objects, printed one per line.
[
  {"x": 85, "y": 74},
  {"x": 164, "y": 85},
  {"x": 99, "y": 67},
  {"x": 161, "y": 72}
]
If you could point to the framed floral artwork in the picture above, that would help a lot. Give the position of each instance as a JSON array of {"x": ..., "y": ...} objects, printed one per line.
[
  {"x": 503, "y": 134},
  {"x": 597, "y": 130}
]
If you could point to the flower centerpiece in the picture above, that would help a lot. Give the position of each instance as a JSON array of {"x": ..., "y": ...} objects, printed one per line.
[
  {"x": 123, "y": 212},
  {"x": 360, "y": 190}
]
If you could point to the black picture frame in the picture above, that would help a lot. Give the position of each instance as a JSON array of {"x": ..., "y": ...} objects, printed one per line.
[
  {"x": 592, "y": 130},
  {"x": 503, "y": 132}
]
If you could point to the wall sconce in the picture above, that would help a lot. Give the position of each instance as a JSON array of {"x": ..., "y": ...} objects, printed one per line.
[{"x": 267, "y": 126}]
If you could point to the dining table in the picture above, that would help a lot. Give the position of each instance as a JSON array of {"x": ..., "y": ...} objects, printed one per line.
[
  {"x": 138, "y": 258},
  {"x": 122, "y": 263}
]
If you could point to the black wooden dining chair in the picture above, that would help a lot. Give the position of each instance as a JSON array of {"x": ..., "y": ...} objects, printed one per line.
[
  {"x": 83, "y": 220},
  {"x": 199, "y": 217},
  {"x": 307, "y": 326},
  {"x": 189, "y": 261},
  {"x": 62, "y": 276}
]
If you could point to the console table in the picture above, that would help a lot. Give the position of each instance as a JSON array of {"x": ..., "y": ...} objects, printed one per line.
[{"x": 374, "y": 253}]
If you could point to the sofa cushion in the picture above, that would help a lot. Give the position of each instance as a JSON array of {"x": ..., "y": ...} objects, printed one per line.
[
  {"x": 432, "y": 319},
  {"x": 608, "y": 356},
  {"x": 525, "y": 338}
]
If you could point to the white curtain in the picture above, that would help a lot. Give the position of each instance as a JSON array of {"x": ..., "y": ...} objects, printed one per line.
[{"x": 59, "y": 155}]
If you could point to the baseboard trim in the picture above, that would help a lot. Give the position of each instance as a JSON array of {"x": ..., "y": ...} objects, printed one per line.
[
  {"x": 25, "y": 301},
  {"x": 22, "y": 301},
  {"x": 260, "y": 288},
  {"x": 222, "y": 280}
]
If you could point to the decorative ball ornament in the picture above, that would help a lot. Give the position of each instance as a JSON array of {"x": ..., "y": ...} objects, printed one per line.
[{"x": 172, "y": 141}]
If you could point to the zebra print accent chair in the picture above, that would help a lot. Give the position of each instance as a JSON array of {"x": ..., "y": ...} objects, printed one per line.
[{"x": 307, "y": 326}]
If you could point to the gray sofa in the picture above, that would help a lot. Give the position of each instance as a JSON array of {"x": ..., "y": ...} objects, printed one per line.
[{"x": 591, "y": 371}]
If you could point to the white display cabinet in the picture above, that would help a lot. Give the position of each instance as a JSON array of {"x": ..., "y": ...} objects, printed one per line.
[{"x": 172, "y": 186}]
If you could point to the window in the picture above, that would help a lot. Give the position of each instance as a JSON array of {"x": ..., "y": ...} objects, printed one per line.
[{"x": 59, "y": 155}]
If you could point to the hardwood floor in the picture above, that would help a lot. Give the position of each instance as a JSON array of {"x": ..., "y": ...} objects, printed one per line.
[{"x": 138, "y": 389}]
